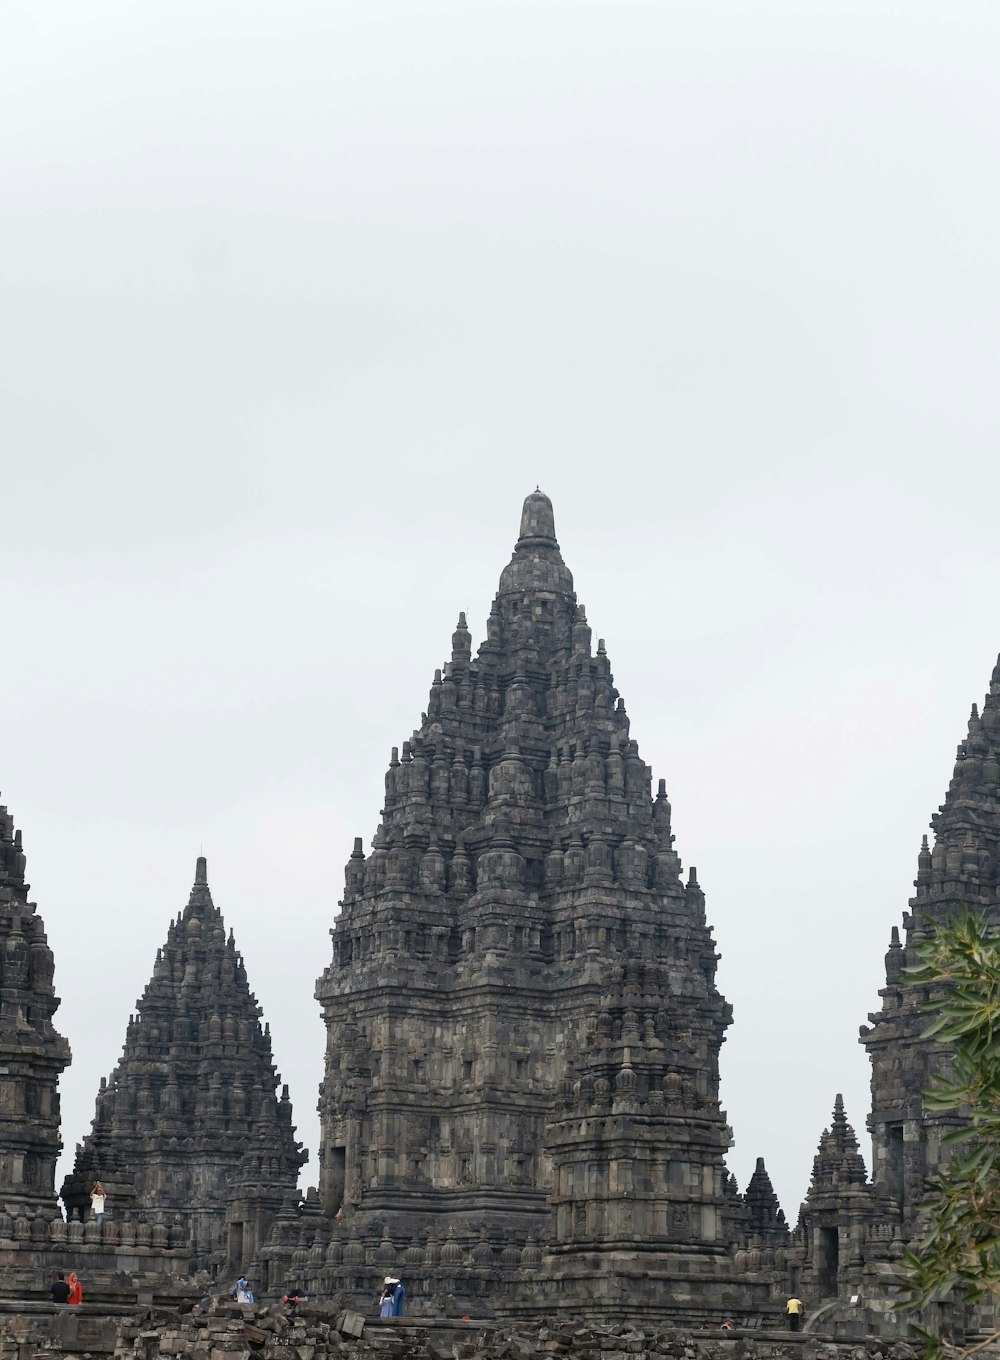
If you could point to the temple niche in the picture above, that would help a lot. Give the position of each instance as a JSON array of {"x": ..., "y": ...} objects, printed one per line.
[
  {"x": 188, "y": 1130},
  {"x": 32, "y": 1053}
]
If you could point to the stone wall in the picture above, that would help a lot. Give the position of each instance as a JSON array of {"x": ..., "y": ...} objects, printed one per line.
[{"x": 122, "y": 1263}]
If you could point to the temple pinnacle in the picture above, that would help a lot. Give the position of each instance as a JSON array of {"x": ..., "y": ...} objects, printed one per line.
[{"x": 538, "y": 523}]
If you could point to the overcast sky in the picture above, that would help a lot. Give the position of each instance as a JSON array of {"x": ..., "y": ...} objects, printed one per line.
[{"x": 299, "y": 300}]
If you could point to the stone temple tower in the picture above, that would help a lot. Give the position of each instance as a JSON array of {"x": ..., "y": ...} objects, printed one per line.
[
  {"x": 519, "y": 953},
  {"x": 190, "y": 1110},
  {"x": 32, "y": 1054},
  {"x": 961, "y": 869}
]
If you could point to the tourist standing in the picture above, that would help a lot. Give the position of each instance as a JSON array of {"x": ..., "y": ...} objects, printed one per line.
[
  {"x": 398, "y": 1295},
  {"x": 97, "y": 1198},
  {"x": 385, "y": 1302},
  {"x": 60, "y": 1290},
  {"x": 794, "y": 1310},
  {"x": 75, "y": 1289}
]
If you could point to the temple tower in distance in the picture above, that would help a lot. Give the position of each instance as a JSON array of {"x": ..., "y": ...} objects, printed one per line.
[
  {"x": 521, "y": 1004},
  {"x": 960, "y": 870},
  {"x": 188, "y": 1128},
  {"x": 32, "y": 1053}
]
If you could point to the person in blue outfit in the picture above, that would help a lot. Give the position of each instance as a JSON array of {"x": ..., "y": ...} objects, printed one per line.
[{"x": 398, "y": 1295}]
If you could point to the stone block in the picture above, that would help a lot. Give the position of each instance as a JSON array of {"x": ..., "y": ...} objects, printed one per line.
[
  {"x": 352, "y": 1324},
  {"x": 70, "y": 1330}
]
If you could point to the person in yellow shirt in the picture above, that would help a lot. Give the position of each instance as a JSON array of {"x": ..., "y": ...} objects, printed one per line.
[{"x": 794, "y": 1310}]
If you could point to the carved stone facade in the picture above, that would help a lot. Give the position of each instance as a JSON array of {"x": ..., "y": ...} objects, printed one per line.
[
  {"x": 189, "y": 1116},
  {"x": 636, "y": 1139},
  {"x": 32, "y": 1053}
]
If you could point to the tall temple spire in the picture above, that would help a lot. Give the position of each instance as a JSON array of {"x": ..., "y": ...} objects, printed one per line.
[
  {"x": 192, "y": 1097},
  {"x": 521, "y": 889}
]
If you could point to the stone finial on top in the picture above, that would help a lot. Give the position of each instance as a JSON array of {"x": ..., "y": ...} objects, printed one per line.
[
  {"x": 200, "y": 904},
  {"x": 924, "y": 865},
  {"x": 894, "y": 958},
  {"x": 538, "y": 524},
  {"x": 461, "y": 641}
]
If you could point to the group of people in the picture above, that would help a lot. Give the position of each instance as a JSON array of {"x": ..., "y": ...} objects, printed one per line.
[
  {"x": 68, "y": 1290},
  {"x": 390, "y": 1302}
]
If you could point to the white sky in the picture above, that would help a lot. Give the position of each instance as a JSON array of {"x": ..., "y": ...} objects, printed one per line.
[{"x": 299, "y": 300}]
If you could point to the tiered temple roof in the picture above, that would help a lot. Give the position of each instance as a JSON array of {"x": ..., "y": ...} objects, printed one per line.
[
  {"x": 32, "y": 1053},
  {"x": 192, "y": 1100},
  {"x": 838, "y": 1164}
]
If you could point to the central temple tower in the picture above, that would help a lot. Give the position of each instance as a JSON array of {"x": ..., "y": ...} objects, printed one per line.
[{"x": 518, "y": 966}]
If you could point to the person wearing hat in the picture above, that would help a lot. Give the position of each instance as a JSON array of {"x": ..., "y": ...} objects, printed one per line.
[{"x": 385, "y": 1304}]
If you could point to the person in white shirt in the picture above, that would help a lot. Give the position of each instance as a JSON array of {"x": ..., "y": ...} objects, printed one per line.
[{"x": 97, "y": 1198}]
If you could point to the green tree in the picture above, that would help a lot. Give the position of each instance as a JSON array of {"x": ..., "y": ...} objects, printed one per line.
[{"x": 958, "y": 1254}]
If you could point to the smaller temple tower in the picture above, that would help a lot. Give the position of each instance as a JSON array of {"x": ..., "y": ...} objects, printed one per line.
[
  {"x": 844, "y": 1222},
  {"x": 32, "y": 1053},
  {"x": 189, "y": 1115}
]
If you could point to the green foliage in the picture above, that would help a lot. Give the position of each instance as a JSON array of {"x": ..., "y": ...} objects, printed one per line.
[{"x": 959, "y": 1254}]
